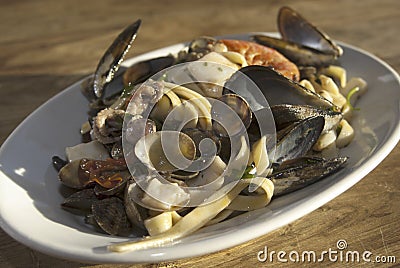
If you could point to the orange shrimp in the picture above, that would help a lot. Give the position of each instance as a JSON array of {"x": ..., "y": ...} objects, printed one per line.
[{"x": 256, "y": 54}]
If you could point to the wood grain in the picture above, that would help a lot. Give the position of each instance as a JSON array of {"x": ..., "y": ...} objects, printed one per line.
[{"x": 47, "y": 45}]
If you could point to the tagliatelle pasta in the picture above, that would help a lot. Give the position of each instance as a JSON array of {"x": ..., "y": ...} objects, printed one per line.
[
  {"x": 197, "y": 218},
  {"x": 340, "y": 95}
]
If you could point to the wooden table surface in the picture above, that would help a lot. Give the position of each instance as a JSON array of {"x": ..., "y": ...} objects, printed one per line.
[{"x": 47, "y": 45}]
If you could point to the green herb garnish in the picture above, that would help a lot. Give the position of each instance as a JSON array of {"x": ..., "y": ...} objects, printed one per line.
[
  {"x": 349, "y": 95},
  {"x": 249, "y": 172}
]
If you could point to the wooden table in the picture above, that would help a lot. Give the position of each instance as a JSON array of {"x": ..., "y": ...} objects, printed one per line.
[{"x": 47, "y": 45}]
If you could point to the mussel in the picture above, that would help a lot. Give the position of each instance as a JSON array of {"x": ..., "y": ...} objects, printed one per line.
[
  {"x": 295, "y": 174},
  {"x": 301, "y": 42},
  {"x": 276, "y": 88},
  {"x": 299, "y": 139},
  {"x": 287, "y": 114},
  {"x": 112, "y": 58}
]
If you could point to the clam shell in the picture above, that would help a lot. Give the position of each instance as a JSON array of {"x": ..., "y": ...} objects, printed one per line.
[{"x": 110, "y": 215}]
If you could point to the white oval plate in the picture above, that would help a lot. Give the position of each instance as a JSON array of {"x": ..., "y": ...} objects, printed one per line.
[{"x": 30, "y": 191}]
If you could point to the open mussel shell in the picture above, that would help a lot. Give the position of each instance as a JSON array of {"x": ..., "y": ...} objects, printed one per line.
[
  {"x": 276, "y": 88},
  {"x": 287, "y": 114},
  {"x": 110, "y": 215},
  {"x": 300, "y": 172},
  {"x": 294, "y": 28},
  {"x": 113, "y": 58},
  {"x": 299, "y": 139}
]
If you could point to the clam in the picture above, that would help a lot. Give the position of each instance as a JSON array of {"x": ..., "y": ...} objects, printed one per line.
[
  {"x": 207, "y": 147},
  {"x": 135, "y": 213},
  {"x": 79, "y": 173},
  {"x": 197, "y": 48},
  {"x": 145, "y": 95},
  {"x": 137, "y": 127},
  {"x": 110, "y": 215},
  {"x": 107, "y": 126},
  {"x": 80, "y": 201},
  {"x": 69, "y": 175},
  {"x": 115, "y": 189},
  {"x": 231, "y": 115},
  {"x": 162, "y": 108},
  {"x": 199, "y": 136},
  {"x": 166, "y": 151}
]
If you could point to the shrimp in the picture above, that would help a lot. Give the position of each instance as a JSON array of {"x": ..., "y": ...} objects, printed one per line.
[{"x": 256, "y": 54}]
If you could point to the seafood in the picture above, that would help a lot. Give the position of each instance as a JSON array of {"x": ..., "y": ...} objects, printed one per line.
[
  {"x": 304, "y": 170},
  {"x": 286, "y": 114},
  {"x": 143, "y": 70},
  {"x": 112, "y": 58},
  {"x": 173, "y": 152},
  {"x": 110, "y": 215},
  {"x": 299, "y": 139},
  {"x": 238, "y": 52},
  {"x": 301, "y": 41},
  {"x": 278, "y": 89},
  {"x": 261, "y": 55},
  {"x": 107, "y": 125}
]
